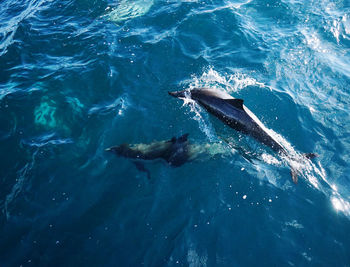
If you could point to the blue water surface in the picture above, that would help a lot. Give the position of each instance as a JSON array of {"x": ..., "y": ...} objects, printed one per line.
[{"x": 79, "y": 76}]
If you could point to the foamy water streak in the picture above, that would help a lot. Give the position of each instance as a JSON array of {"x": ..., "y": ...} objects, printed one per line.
[{"x": 312, "y": 172}]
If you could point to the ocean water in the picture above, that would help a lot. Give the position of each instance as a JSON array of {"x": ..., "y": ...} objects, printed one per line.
[{"x": 79, "y": 76}]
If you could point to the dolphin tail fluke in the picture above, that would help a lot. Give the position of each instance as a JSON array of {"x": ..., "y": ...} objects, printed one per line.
[
  {"x": 310, "y": 155},
  {"x": 180, "y": 139},
  {"x": 294, "y": 172}
]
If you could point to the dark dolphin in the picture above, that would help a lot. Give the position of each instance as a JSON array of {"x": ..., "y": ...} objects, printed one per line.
[
  {"x": 235, "y": 114},
  {"x": 175, "y": 152}
]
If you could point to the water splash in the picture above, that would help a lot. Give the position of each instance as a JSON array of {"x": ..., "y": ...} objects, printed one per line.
[
  {"x": 203, "y": 122},
  {"x": 228, "y": 82},
  {"x": 210, "y": 78}
]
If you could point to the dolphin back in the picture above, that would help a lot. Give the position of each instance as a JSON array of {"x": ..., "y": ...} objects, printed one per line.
[{"x": 173, "y": 151}]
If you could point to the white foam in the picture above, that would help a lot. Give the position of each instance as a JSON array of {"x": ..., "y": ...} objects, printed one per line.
[{"x": 269, "y": 159}]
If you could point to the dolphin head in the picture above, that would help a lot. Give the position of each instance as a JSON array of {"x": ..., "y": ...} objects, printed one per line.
[
  {"x": 193, "y": 93},
  {"x": 202, "y": 96},
  {"x": 121, "y": 150},
  {"x": 180, "y": 94}
]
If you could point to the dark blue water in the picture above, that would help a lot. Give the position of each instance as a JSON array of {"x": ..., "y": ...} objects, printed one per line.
[{"x": 79, "y": 76}]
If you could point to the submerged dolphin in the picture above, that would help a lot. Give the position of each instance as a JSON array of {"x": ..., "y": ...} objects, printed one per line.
[
  {"x": 176, "y": 151},
  {"x": 236, "y": 115},
  {"x": 129, "y": 10}
]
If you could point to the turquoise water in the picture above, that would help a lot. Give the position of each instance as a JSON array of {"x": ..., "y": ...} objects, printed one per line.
[{"x": 79, "y": 76}]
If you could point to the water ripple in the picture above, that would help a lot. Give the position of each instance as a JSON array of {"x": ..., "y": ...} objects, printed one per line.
[{"x": 11, "y": 22}]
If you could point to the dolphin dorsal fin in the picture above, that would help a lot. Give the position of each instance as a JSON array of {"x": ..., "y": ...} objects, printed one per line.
[
  {"x": 182, "y": 138},
  {"x": 236, "y": 102}
]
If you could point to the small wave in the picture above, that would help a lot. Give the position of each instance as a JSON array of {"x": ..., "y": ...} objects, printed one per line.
[
  {"x": 118, "y": 106},
  {"x": 22, "y": 176},
  {"x": 47, "y": 139},
  {"x": 9, "y": 28},
  {"x": 227, "y": 5},
  {"x": 13, "y": 87},
  {"x": 8, "y": 88}
]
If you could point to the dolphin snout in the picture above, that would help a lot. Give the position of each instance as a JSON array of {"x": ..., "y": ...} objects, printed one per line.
[
  {"x": 178, "y": 94},
  {"x": 114, "y": 149}
]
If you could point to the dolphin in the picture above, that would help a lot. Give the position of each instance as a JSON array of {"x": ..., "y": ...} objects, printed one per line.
[
  {"x": 128, "y": 10},
  {"x": 235, "y": 114},
  {"x": 175, "y": 152}
]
